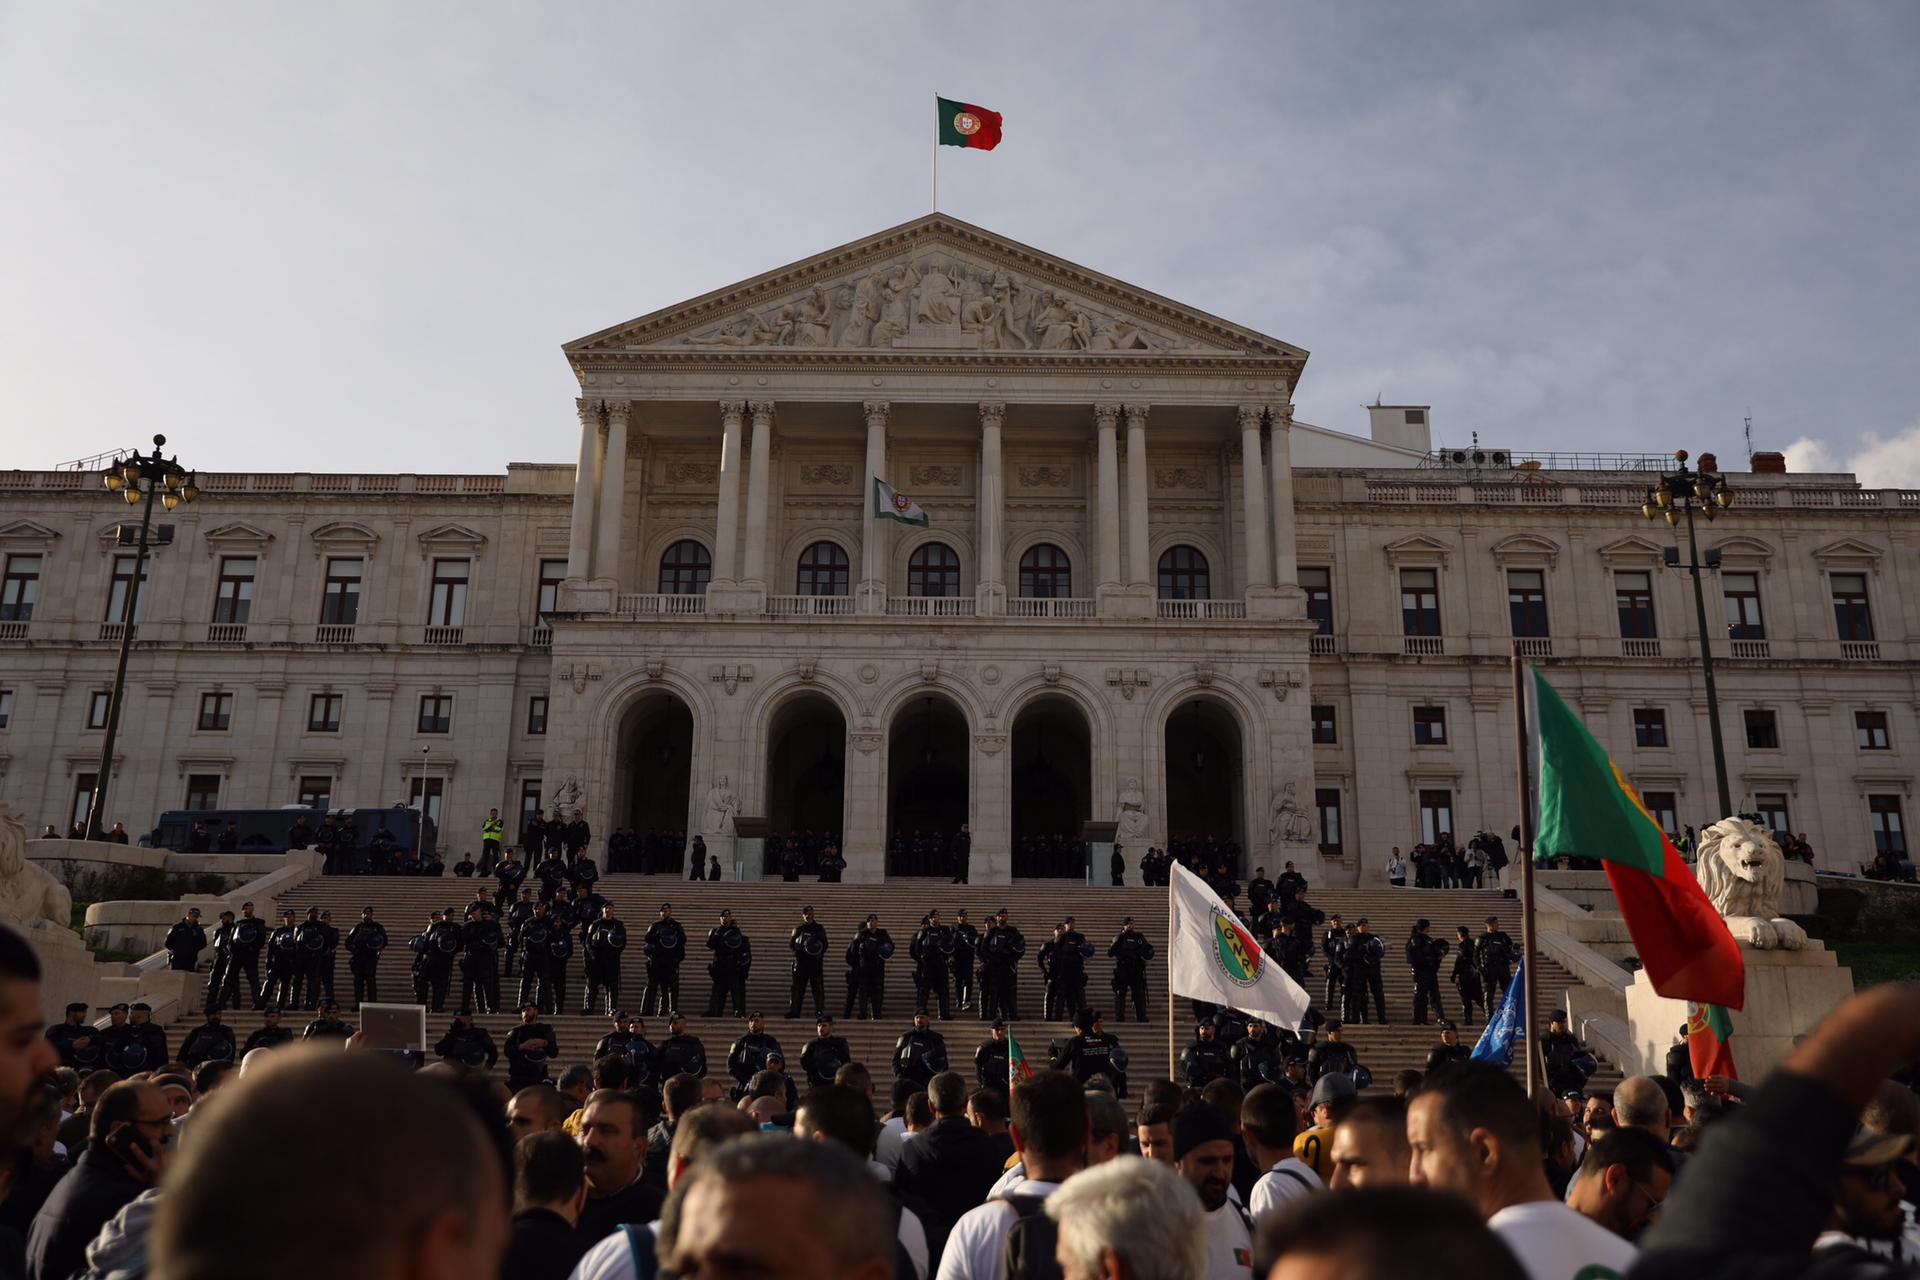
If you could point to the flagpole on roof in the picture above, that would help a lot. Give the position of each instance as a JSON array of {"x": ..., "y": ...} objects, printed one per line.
[
  {"x": 935, "y": 204},
  {"x": 1528, "y": 977}
]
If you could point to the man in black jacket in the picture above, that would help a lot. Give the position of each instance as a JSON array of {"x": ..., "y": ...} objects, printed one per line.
[
  {"x": 808, "y": 943},
  {"x": 950, "y": 1166},
  {"x": 248, "y": 937},
  {"x": 531, "y": 1046},
  {"x": 732, "y": 957},
  {"x": 665, "y": 947},
  {"x": 825, "y": 1054},
  {"x": 613, "y": 1139},
  {"x": 103, "y": 1180},
  {"x": 605, "y": 940},
  {"x": 185, "y": 941},
  {"x": 269, "y": 1034},
  {"x": 748, "y": 1056},
  {"x": 549, "y": 1183},
  {"x": 365, "y": 942},
  {"x": 1130, "y": 952},
  {"x": 467, "y": 1044},
  {"x": 211, "y": 1041},
  {"x": 966, "y": 946},
  {"x": 1424, "y": 954}
]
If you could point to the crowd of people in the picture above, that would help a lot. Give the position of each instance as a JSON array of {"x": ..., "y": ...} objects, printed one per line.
[
  {"x": 331, "y": 1158},
  {"x": 937, "y": 854}
]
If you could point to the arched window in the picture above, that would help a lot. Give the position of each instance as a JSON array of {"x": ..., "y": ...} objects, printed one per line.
[
  {"x": 823, "y": 571},
  {"x": 1183, "y": 574},
  {"x": 1045, "y": 573},
  {"x": 933, "y": 570},
  {"x": 685, "y": 569}
]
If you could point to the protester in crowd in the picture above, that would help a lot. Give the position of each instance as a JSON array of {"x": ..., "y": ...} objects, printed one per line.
[
  {"x": 1129, "y": 1218},
  {"x": 952, "y": 1165},
  {"x": 1384, "y": 1233},
  {"x": 538, "y": 1108},
  {"x": 1369, "y": 1146},
  {"x": 1203, "y": 1153},
  {"x": 613, "y": 1139},
  {"x": 1625, "y": 1177},
  {"x": 838, "y": 1115},
  {"x": 1269, "y": 1123},
  {"x": 549, "y": 1190},
  {"x": 1049, "y": 1129},
  {"x": 129, "y": 1140}
]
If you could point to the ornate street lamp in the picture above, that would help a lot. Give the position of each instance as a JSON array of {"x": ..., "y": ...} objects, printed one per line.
[
  {"x": 140, "y": 479},
  {"x": 1678, "y": 494}
]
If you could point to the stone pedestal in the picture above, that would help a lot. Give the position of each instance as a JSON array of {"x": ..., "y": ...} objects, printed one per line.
[{"x": 1788, "y": 992}]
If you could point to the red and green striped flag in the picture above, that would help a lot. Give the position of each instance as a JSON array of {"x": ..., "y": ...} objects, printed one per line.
[
  {"x": 1017, "y": 1067},
  {"x": 1589, "y": 810},
  {"x": 961, "y": 124},
  {"x": 1710, "y": 1041}
]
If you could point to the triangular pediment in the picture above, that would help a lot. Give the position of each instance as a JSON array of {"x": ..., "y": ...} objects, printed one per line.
[
  {"x": 345, "y": 535},
  {"x": 452, "y": 537},
  {"x": 1848, "y": 549},
  {"x": 19, "y": 532},
  {"x": 935, "y": 286},
  {"x": 1419, "y": 549},
  {"x": 1526, "y": 548},
  {"x": 238, "y": 534},
  {"x": 1631, "y": 549}
]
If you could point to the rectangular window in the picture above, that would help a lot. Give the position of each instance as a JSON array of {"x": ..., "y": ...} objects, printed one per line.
[
  {"x": 1742, "y": 591},
  {"x": 1889, "y": 831},
  {"x": 1633, "y": 594},
  {"x": 547, "y": 597},
  {"x": 1420, "y": 602},
  {"x": 537, "y": 714},
  {"x": 82, "y": 799},
  {"x": 1429, "y": 726},
  {"x": 316, "y": 791},
  {"x": 1527, "y": 602},
  {"x": 6, "y": 707},
  {"x": 529, "y": 804},
  {"x": 1851, "y": 616},
  {"x": 1869, "y": 727},
  {"x": 1649, "y": 727},
  {"x": 216, "y": 712},
  {"x": 447, "y": 606},
  {"x": 436, "y": 713},
  {"x": 20, "y": 588},
  {"x": 1772, "y": 808},
  {"x": 426, "y": 796},
  {"x": 323, "y": 712},
  {"x": 97, "y": 706},
  {"x": 1325, "y": 728},
  {"x": 340, "y": 597},
  {"x": 203, "y": 791},
  {"x": 1318, "y": 584},
  {"x": 1665, "y": 810},
  {"x": 121, "y": 584},
  {"x": 1763, "y": 730},
  {"x": 234, "y": 601},
  {"x": 1326, "y": 804},
  {"x": 1436, "y": 815}
]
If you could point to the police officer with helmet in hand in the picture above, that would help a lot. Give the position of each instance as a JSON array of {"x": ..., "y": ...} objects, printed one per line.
[
  {"x": 1092, "y": 1052},
  {"x": 365, "y": 941},
  {"x": 932, "y": 952},
  {"x": 628, "y": 1040},
  {"x": 1424, "y": 954},
  {"x": 1206, "y": 1059},
  {"x": 1130, "y": 953},
  {"x": 992, "y": 1058},
  {"x": 535, "y": 935},
  {"x": 664, "y": 946},
  {"x": 867, "y": 957},
  {"x": 606, "y": 939},
  {"x": 1449, "y": 1050},
  {"x": 270, "y": 1034},
  {"x": 966, "y": 950},
  {"x": 748, "y": 1055},
  {"x": 680, "y": 1053},
  {"x": 442, "y": 945},
  {"x": 211, "y": 1041},
  {"x": 920, "y": 1054},
  {"x": 1258, "y": 1057},
  {"x": 808, "y": 943},
  {"x": 732, "y": 959},
  {"x": 531, "y": 1046},
  {"x": 1000, "y": 954},
  {"x": 481, "y": 941},
  {"x": 825, "y": 1054},
  {"x": 185, "y": 941},
  {"x": 553, "y": 984},
  {"x": 467, "y": 1044},
  {"x": 1331, "y": 1054}
]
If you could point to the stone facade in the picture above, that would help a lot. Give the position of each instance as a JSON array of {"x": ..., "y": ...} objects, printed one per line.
[{"x": 1115, "y": 615}]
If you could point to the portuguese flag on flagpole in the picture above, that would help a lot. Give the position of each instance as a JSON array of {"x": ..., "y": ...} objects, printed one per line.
[
  {"x": 961, "y": 124},
  {"x": 1588, "y": 810},
  {"x": 1017, "y": 1066},
  {"x": 1710, "y": 1041}
]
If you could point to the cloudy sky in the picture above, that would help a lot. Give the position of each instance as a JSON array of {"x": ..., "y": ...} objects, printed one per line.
[{"x": 354, "y": 235}]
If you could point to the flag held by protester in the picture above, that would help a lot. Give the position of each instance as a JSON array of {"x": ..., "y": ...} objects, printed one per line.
[
  {"x": 1710, "y": 1041},
  {"x": 1018, "y": 1068},
  {"x": 1215, "y": 958},
  {"x": 1589, "y": 810},
  {"x": 961, "y": 124},
  {"x": 1508, "y": 1023},
  {"x": 891, "y": 504}
]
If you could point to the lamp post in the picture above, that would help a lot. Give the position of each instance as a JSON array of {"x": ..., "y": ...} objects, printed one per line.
[
  {"x": 138, "y": 478},
  {"x": 1677, "y": 494}
]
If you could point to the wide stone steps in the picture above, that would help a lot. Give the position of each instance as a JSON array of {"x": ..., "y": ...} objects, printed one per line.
[{"x": 768, "y": 911}]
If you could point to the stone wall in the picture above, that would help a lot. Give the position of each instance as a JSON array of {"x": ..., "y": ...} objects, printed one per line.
[{"x": 1857, "y": 906}]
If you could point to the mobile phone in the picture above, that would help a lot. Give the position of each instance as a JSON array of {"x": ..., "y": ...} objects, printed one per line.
[{"x": 123, "y": 1140}]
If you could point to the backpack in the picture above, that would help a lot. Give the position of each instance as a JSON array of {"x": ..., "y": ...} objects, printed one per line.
[
  {"x": 1029, "y": 1251},
  {"x": 640, "y": 1244}
]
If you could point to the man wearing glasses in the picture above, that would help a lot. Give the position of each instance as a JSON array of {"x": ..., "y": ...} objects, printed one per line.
[
  {"x": 128, "y": 1142},
  {"x": 1623, "y": 1180}
]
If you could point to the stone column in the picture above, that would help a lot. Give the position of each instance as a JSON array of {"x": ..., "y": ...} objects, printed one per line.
[
  {"x": 586, "y": 483},
  {"x": 726, "y": 529},
  {"x": 1253, "y": 491},
  {"x": 1140, "y": 574},
  {"x": 1105, "y": 418},
  {"x": 755, "y": 576},
  {"x": 613, "y": 490},
  {"x": 992, "y": 593},
  {"x": 873, "y": 543},
  {"x": 1286, "y": 552}
]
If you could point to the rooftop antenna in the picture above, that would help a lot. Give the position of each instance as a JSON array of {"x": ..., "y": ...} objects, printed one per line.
[{"x": 1749, "y": 421}]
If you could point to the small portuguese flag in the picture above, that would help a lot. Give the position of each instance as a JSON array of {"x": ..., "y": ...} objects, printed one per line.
[
  {"x": 1710, "y": 1041},
  {"x": 962, "y": 124},
  {"x": 1017, "y": 1068},
  {"x": 1588, "y": 810}
]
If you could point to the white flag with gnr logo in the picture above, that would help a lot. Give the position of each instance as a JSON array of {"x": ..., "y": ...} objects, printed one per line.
[{"x": 1213, "y": 957}]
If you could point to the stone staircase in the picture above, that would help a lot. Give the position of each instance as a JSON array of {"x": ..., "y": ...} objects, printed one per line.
[{"x": 768, "y": 911}]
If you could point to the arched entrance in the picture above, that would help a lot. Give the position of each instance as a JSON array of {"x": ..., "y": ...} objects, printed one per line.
[
  {"x": 928, "y": 791},
  {"x": 651, "y": 780},
  {"x": 1052, "y": 769},
  {"x": 1206, "y": 781},
  {"x": 806, "y": 782}
]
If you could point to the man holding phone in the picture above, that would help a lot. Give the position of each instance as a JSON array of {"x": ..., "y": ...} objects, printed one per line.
[{"x": 128, "y": 1144}]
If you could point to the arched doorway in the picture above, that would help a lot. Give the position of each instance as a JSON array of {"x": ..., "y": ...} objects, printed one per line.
[
  {"x": 928, "y": 793},
  {"x": 652, "y": 776},
  {"x": 806, "y": 782},
  {"x": 1206, "y": 782},
  {"x": 1052, "y": 769}
]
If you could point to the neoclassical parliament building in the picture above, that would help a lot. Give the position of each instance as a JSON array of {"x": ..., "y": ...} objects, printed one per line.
[{"x": 1145, "y": 596}]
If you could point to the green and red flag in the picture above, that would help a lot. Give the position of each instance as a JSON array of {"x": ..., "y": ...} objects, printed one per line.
[
  {"x": 1017, "y": 1067},
  {"x": 1589, "y": 810},
  {"x": 1710, "y": 1041},
  {"x": 961, "y": 124}
]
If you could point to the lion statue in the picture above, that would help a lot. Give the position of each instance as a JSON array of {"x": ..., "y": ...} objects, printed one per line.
[
  {"x": 1742, "y": 871},
  {"x": 29, "y": 896}
]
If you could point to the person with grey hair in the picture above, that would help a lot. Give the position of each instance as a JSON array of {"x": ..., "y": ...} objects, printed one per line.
[
  {"x": 1129, "y": 1217},
  {"x": 1640, "y": 1103},
  {"x": 772, "y": 1206}
]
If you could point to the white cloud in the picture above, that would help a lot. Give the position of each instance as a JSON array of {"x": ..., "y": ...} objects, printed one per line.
[
  {"x": 1808, "y": 454},
  {"x": 1880, "y": 462}
]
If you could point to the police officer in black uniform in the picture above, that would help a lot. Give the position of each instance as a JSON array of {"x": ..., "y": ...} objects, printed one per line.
[
  {"x": 808, "y": 943},
  {"x": 679, "y": 1053},
  {"x": 1424, "y": 954},
  {"x": 365, "y": 941},
  {"x": 1466, "y": 975},
  {"x": 518, "y": 912},
  {"x": 1567, "y": 1067},
  {"x": 509, "y": 873},
  {"x": 1365, "y": 954},
  {"x": 1258, "y": 1057},
  {"x": 553, "y": 984},
  {"x": 606, "y": 939},
  {"x": 1205, "y": 1060},
  {"x": 185, "y": 941},
  {"x": 467, "y": 1044},
  {"x": 1000, "y": 953},
  {"x": 932, "y": 952},
  {"x": 966, "y": 948},
  {"x": 75, "y": 1040},
  {"x": 151, "y": 1039},
  {"x": 1449, "y": 1050},
  {"x": 1130, "y": 952},
  {"x": 867, "y": 957},
  {"x": 920, "y": 1054},
  {"x": 732, "y": 958},
  {"x": 418, "y": 944},
  {"x": 248, "y": 938},
  {"x": 625, "y": 1042},
  {"x": 1088, "y": 1053},
  {"x": 328, "y": 1025},
  {"x": 535, "y": 936},
  {"x": 283, "y": 962},
  {"x": 1333, "y": 946},
  {"x": 480, "y": 944},
  {"x": 665, "y": 947},
  {"x": 531, "y": 1046},
  {"x": 990, "y": 1059},
  {"x": 1493, "y": 957},
  {"x": 748, "y": 1055},
  {"x": 444, "y": 941},
  {"x": 1331, "y": 1054},
  {"x": 310, "y": 947},
  {"x": 211, "y": 1041},
  {"x": 825, "y": 1054},
  {"x": 270, "y": 1034}
]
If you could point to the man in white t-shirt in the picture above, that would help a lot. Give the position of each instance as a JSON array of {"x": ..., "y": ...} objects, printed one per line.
[
  {"x": 1268, "y": 1123},
  {"x": 1203, "y": 1155},
  {"x": 1049, "y": 1129},
  {"x": 1474, "y": 1132}
]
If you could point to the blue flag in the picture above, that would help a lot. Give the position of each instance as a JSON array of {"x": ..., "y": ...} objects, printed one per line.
[{"x": 1507, "y": 1023}]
